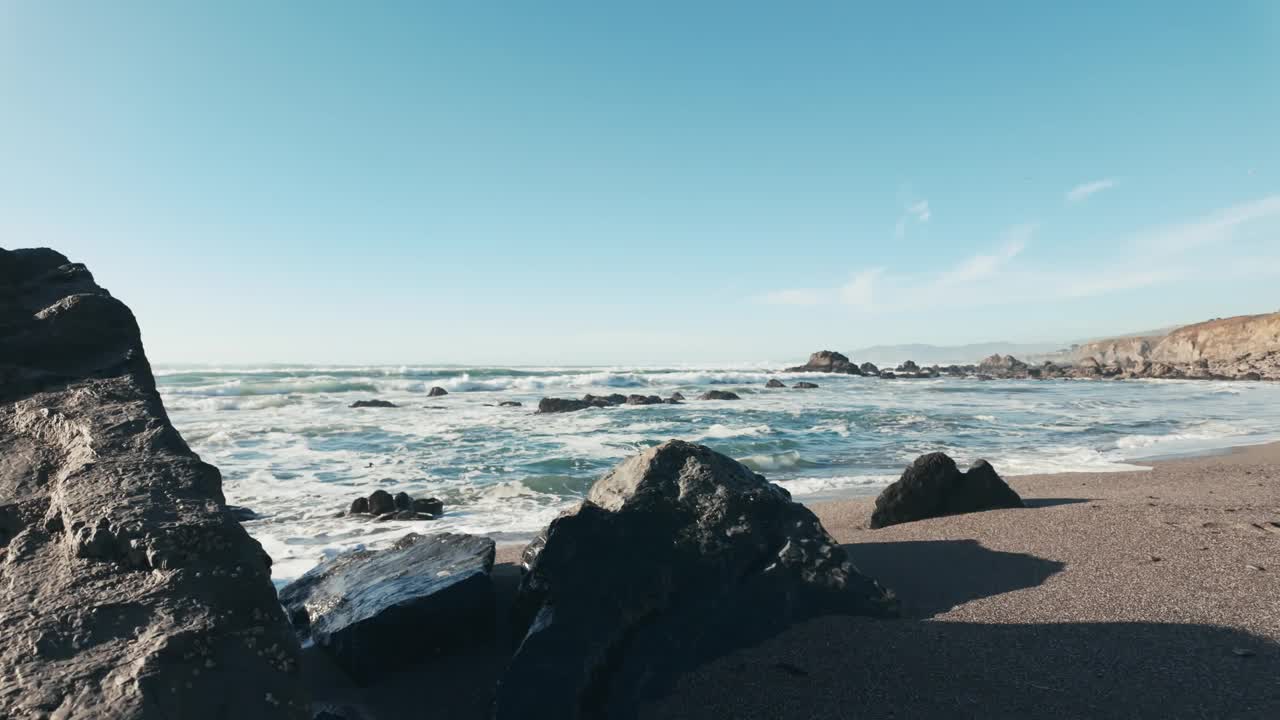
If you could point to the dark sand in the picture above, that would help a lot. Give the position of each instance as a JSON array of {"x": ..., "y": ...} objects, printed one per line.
[{"x": 1127, "y": 595}]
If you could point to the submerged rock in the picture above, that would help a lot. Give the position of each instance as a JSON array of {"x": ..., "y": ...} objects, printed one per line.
[
  {"x": 437, "y": 392},
  {"x": 933, "y": 486},
  {"x": 373, "y": 404},
  {"x": 643, "y": 400},
  {"x": 677, "y": 556},
  {"x": 430, "y": 506},
  {"x": 718, "y": 395},
  {"x": 549, "y": 405},
  {"x": 380, "y": 610},
  {"x": 676, "y": 397},
  {"x": 775, "y": 383},
  {"x": 805, "y": 386},
  {"x": 127, "y": 587},
  {"x": 510, "y": 403}
]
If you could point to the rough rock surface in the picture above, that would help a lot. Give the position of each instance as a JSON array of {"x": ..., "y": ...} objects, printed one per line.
[
  {"x": 126, "y": 590},
  {"x": 678, "y": 555},
  {"x": 775, "y": 383},
  {"x": 869, "y": 369},
  {"x": 718, "y": 395},
  {"x": 437, "y": 392},
  {"x": 380, "y": 610},
  {"x": 933, "y": 486},
  {"x": 1004, "y": 366},
  {"x": 805, "y": 386},
  {"x": 373, "y": 404},
  {"x": 828, "y": 361}
]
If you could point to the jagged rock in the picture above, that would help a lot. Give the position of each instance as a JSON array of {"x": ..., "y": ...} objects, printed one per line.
[
  {"x": 127, "y": 589},
  {"x": 828, "y": 361},
  {"x": 381, "y": 502},
  {"x": 718, "y": 395},
  {"x": 869, "y": 369},
  {"x": 510, "y": 403},
  {"x": 402, "y": 500},
  {"x": 437, "y": 392},
  {"x": 1003, "y": 366},
  {"x": 678, "y": 555},
  {"x": 805, "y": 386},
  {"x": 775, "y": 383},
  {"x": 381, "y": 610},
  {"x": 643, "y": 400},
  {"x": 933, "y": 486},
  {"x": 373, "y": 404},
  {"x": 430, "y": 506}
]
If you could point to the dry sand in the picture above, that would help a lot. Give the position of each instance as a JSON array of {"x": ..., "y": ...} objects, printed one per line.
[{"x": 1120, "y": 595}]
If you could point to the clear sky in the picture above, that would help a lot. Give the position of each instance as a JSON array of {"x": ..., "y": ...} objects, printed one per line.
[{"x": 654, "y": 182}]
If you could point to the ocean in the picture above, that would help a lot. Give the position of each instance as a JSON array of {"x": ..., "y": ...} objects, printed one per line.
[{"x": 291, "y": 450}]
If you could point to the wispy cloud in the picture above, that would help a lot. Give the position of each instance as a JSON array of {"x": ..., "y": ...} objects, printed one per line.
[
  {"x": 1007, "y": 272},
  {"x": 917, "y": 211},
  {"x": 1083, "y": 191}
]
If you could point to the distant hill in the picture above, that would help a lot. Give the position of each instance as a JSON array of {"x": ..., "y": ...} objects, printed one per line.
[{"x": 892, "y": 355}]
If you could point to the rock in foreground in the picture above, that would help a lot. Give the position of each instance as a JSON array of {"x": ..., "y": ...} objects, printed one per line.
[
  {"x": 126, "y": 589},
  {"x": 678, "y": 555},
  {"x": 933, "y": 486},
  {"x": 379, "y": 610}
]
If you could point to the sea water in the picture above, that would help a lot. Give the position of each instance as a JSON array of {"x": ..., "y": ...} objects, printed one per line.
[{"x": 291, "y": 449}]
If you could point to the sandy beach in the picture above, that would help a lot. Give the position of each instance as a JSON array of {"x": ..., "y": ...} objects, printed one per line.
[{"x": 1137, "y": 594}]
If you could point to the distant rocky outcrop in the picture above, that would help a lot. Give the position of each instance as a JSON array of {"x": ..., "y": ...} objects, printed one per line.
[
  {"x": 719, "y": 395},
  {"x": 643, "y": 400},
  {"x": 933, "y": 486},
  {"x": 678, "y": 555},
  {"x": 510, "y": 403},
  {"x": 828, "y": 361},
  {"x": 376, "y": 611},
  {"x": 437, "y": 391},
  {"x": 1244, "y": 347},
  {"x": 869, "y": 369},
  {"x": 127, "y": 590},
  {"x": 805, "y": 386},
  {"x": 1004, "y": 366}
]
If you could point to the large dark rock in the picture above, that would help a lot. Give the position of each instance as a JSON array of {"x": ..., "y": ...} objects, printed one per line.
[
  {"x": 909, "y": 366},
  {"x": 127, "y": 590},
  {"x": 643, "y": 400},
  {"x": 561, "y": 405},
  {"x": 1003, "y": 366},
  {"x": 373, "y": 404},
  {"x": 718, "y": 395},
  {"x": 933, "y": 486},
  {"x": 429, "y": 506},
  {"x": 828, "y": 361},
  {"x": 381, "y": 502},
  {"x": 678, "y": 555},
  {"x": 805, "y": 386},
  {"x": 379, "y": 610},
  {"x": 775, "y": 383},
  {"x": 869, "y": 369}
]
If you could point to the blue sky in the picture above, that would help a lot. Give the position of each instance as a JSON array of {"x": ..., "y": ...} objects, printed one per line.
[{"x": 645, "y": 182}]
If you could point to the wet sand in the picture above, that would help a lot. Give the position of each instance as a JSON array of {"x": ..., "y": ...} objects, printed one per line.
[{"x": 1150, "y": 594}]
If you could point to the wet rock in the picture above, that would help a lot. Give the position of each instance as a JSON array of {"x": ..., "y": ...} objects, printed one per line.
[
  {"x": 643, "y": 400},
  {"x": 376, "y": 611},
  {"x": 242, "y": 514},
  {"x": 127, "y": 586},
  {"x": 805, "y": 386},
  {"x": 933, "y": 486},
  {"x": 510, "y": 403},
  {"x": 604, "y": 400},
  {"x": 718, "y": 395},
  {"x": 828, "y": 361},
  {"x": 1003, "y": 366},
  {"x": 549, "y": 405},
  {"x": 402, "y": 500},
  {"x": 359, "y": 506},
  {"x": 676, "y": 396},
  {"x": 429, "y": 506},
  {"x": 908, "y": 367},
  {"x": 373, "y": 404},
  {"x": 869, "y": 369},
  {"x": 775, "y": 383},
  {"x": 437, "y": 392},
  {"x": 381, "y": 502},
  {"x": 677, "y": 556}
]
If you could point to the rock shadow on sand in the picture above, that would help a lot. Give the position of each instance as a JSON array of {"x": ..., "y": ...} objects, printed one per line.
[
  {"x": 1052, "y": 502},
  {"x": 932, "y": 576}
]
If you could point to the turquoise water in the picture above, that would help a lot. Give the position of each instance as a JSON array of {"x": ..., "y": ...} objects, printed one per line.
[{"x": 290, "y": 448}]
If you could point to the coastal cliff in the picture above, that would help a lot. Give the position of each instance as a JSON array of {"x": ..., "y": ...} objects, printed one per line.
[
  {"x": 1234, "y": 347},
  {"x": 126, "y": 588}
]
